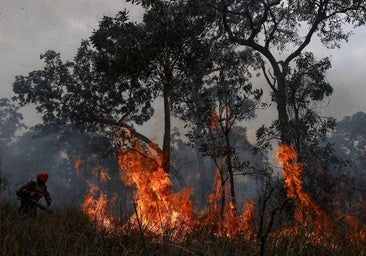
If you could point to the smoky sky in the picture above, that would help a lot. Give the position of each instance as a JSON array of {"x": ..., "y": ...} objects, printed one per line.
[{"x": 29, "y": 28}]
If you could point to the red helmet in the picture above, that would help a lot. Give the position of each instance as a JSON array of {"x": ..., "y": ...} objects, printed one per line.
[{"x": 42, "y": 176}]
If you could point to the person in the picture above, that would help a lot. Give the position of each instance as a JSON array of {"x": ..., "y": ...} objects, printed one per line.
[{"x": 32, "y": 192}]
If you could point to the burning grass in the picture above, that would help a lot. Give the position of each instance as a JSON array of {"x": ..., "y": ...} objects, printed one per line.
[
  {"x": 164, "y": 222},
  {"x": 70, "y": 232}
]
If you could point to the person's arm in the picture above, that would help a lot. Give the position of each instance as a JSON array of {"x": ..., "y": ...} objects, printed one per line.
[
  {"x": 27, "y": 189},
  {"x": 47, "y": 196}
]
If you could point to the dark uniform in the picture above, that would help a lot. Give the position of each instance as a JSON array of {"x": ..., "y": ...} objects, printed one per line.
[{"x": 33, "y": 190}]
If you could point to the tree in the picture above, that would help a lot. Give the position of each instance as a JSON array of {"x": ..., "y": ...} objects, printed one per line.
[
  {"x": 72, "y": 97},
  {"x": 349, "y": 136},
  {"x": 349, "y": 141},
  {"x": 227, "y": 99},
  {"x": 281, "y": 30},
  {"x": 162, "y": 53},
  {"x": 73, "y": 93},
  {"x": 306, "y": 87},
  {"x": 10, "y": 123},
  {"x": 10, "y": 120}
]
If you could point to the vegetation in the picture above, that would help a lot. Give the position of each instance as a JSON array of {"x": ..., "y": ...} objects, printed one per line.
[
  {"x": 280, "y": 31},
  {"x": 70, "y": 232},
  {"x": 197, "y": 59}
]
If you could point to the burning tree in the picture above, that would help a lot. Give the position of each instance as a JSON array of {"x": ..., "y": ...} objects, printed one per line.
[
  {"x": 157, "y": 208},
  {"x": 307, "y": 213},
  {"x": 161, "y": 54},
  {"x": 307, "y": 89},
  {"x": 227, "y": 99}
]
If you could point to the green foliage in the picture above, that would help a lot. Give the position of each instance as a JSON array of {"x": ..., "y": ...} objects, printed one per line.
[
  {"x": 277, "y": 23},
  {"x": 10, "y": 124},
  {"x": 227, "y": 99},
  {"x": 119, "y": 72},
  {"x": 306, "y": 87}
]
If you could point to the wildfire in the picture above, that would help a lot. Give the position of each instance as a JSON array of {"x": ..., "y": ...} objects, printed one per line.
[
  {"x": 214, "y": 119},
  {"x": 221, "y": 218},
  {"x": 77, "y": 164},
  {"x": 96, "y": 203},
  {"x": 158, "y": 208},
  {"x": 247, "y": 219},
  {"x": 95, "y": 206},
  {"x": 308, "y": 214}
]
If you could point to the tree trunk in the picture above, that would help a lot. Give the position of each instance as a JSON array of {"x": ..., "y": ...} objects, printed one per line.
[
  {"x": 281, "y": 102},
  {"x": 223, "y": 199},
  {"x": 231, "y": 174},
  {"x": 166, "y": 139}
]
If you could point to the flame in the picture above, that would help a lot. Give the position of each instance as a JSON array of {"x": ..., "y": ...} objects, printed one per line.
[
  {"x": 96, "y": 203},
  {"x": 356, "y": 231},
  {"x": 214, "y": 119},
  {"x": 101, "y": 174},
  {"x": 223, "y": 219},
  {"x": 213, "y": 217},
  {"x": 158, "y": 208},
  {"x": 77, "y": 164},
  {"x": 308, "y": 214},
  {"x": 247, "y": 219}
]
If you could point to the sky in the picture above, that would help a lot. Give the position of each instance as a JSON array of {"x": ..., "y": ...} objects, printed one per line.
[{"x": 29, "y": 28}]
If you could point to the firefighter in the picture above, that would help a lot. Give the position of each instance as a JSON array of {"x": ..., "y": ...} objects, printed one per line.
[{"x": 33, "y": 192}]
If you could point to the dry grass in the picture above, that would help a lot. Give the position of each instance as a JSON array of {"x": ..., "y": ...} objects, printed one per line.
[{"x": 69, "y": 232}]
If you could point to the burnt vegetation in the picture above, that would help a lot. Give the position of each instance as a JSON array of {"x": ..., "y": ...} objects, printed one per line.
[{"x": 208, "y": 69}]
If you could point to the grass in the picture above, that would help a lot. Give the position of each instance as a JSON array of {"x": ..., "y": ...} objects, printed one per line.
[{"x": 69, "y": 232}]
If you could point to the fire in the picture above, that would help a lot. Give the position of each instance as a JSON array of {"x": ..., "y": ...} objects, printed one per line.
[
  {"x": 213, "y": 217},
  {"x": 77, "y": 164},
  {"x": 214, "y": 119},
  {"x": 247, "y": 219},
  {"x": 158, "y": 208},
  {"x": 221, "y": 218},
  {"x": 96, "y": 203},
  {"x": 307, "y": 213},
  {"x": 95, "y": 206}
]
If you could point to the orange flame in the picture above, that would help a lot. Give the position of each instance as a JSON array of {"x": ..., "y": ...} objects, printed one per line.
[
  {"x": 247, "y": 219},
  {"x": 96, "y": 207},
  {"x": 214, "y": 119},
  {"x": 77, "y": 164},
  {"x": 158, "y": 209},
  {"x": 96, "y": 203},
  {"x": 223, "y": 220},
  {"x": 307, "y": 212}
]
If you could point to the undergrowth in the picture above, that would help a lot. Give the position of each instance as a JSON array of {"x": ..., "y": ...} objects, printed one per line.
[{"x": 69, "y": 232}]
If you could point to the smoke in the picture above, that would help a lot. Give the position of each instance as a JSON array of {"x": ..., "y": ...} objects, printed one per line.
[{"x": 56, "y": 153}]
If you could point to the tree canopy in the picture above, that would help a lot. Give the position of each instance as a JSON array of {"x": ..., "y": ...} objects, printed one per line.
[
  {"x": 281, "y": 30},
  {"x": 10, "y": 120}
]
